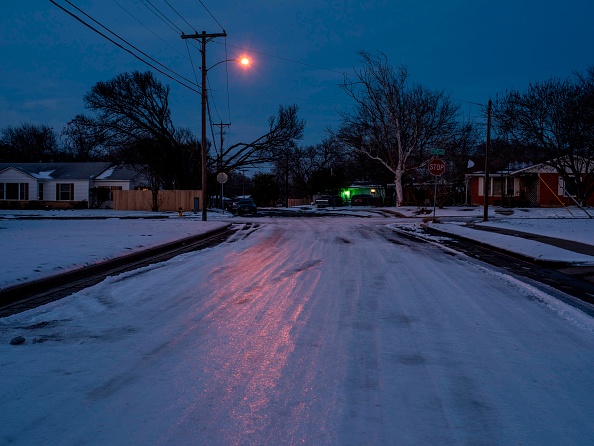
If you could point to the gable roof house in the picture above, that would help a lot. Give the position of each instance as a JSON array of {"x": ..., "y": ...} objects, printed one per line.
[
  {"x": 61, "y": 185},
  {"x": 518, "y": 184}
]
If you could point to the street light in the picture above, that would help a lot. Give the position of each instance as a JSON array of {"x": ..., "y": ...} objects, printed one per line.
[
  {"x": 204, "y": 38},
  {"x": 242, "y": 60}
]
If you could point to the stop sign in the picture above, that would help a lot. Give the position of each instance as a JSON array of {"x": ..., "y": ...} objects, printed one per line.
[{"x": 436, "y": 167}]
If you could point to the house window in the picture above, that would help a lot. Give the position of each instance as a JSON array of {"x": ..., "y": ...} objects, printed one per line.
[
  {"x": 497, "y": 187},
  {"x": 40, "y": 194},
  {"x": 14, "y": 191},
  {"x": 65, "y": 191},
  {"x": 565, "y": 188},
  {"x": 24, "y": 191}
]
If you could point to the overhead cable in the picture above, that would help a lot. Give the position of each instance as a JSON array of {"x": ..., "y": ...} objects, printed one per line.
[
  {"x": 161, "y": 16},
  {"x": 150, "y": 30},
  {"x": 180, "y": 16},
  {"x": 213, "y": 17},
  {"x": 126, "y": 49}
]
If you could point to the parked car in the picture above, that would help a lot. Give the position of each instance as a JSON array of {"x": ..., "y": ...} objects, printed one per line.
[
  {"x": 326, "y": 200},
  {"x": 362, "y": 200},
  {"x": 245, "y": 206}
]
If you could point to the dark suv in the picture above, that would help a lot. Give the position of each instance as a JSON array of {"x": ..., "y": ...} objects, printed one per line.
[{"x": 245, "y": 206}]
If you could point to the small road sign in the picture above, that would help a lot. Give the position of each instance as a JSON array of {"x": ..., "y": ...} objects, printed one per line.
[
  {"x": 222, "y": 177},
  {"x": 436, "y": 167},
  {"x": 437, "y": 151}
]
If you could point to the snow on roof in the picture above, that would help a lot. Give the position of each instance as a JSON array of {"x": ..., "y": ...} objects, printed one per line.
[
  {"x": 105, "y": 175},
  {"x": 45, "y": 175}
]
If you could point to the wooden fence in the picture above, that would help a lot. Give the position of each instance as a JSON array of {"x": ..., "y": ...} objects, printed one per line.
[
  {"x": 299, "y": 202},
  {"x": 168, "y": 200}
]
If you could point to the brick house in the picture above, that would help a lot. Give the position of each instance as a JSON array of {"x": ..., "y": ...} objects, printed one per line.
[{"x": 518, "y": 184}]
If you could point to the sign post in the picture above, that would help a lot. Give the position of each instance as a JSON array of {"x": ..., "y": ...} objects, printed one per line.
[
  {"x": 436, "y": 168},
  {"x": 222, "y": 178}
]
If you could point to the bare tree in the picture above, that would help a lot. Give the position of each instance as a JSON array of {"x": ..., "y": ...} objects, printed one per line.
[
  {"x": 554, "y": 119},
  {"x": 29, "y": 143},
  {"x": 132, "y": 107},
  {"x": 310, "y": 168},
  {"x": 396, "y": 123},
  {"x": 134, "y": 119},
  {"x": 284, "y": 129},
  {"x": 81, "y": 141}
]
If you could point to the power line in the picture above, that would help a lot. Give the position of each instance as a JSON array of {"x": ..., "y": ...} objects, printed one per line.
[
  {"x": 150, "y": 30},
  {"x": 179, "y": 15},
  {"x": 227, "y": 73},
  {"x": 469, "y": 102},
  {"x": 161, "y": 16},
  {"x": 287, "y": 60},
  {"x": 126, "y": 49},
  {"x": 211, "y": 97},
  {"x": 188, "y": 83},
  {"x": 191, "y": 61},
  {"x": 213, "y": 17}
]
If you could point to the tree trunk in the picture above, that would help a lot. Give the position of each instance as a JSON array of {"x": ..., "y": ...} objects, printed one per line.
[
  {"x": 155, "y": 204},
  {"x": 398, "y": 183}
]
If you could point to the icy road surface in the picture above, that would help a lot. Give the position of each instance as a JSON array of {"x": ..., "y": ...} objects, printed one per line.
[{"x": 319, "y": 332}]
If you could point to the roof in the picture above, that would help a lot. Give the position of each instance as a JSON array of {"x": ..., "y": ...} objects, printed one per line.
[
  {"x": 73, "y": 171},
  {"x": 476, "y": 167},
  {"x": 118, "y": 173}
]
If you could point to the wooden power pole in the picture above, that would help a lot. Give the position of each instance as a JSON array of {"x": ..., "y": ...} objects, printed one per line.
[
  {"x": 487, "y": 147},
  {"x": 203, "y": 38}
]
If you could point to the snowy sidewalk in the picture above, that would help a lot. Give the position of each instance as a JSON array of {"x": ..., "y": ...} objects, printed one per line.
[
  {"x": 533, "y": 245},
  {"x": 570, "y": 245}
]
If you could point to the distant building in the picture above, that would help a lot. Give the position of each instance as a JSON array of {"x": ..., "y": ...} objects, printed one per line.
[
  {"x": 513, "y": 185},
  {"x": 63, "y": 185},
  {"x": 376, "y": 192}
]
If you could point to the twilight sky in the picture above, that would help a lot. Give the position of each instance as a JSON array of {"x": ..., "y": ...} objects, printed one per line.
[{"x": 473, "y": 49}]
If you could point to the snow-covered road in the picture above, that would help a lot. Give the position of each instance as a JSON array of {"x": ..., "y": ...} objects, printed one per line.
[{"x": 302, "y": 331}]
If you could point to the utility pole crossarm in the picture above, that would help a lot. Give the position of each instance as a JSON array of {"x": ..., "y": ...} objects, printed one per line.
[{"x": 203, "y": 35}]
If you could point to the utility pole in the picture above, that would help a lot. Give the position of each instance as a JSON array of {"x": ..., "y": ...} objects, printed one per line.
[
  {"x": 220, "y": 162},
  {"x": 221, "y": 125},
  {"x": 487, "y": 147},
  {"x": 203, "y": 38}
]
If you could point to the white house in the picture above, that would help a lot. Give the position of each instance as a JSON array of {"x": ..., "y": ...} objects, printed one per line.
[{"x": 61, "y": 184}]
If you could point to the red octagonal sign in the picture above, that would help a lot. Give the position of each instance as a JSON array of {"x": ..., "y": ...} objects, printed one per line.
[{"x": 436, "y": 167}]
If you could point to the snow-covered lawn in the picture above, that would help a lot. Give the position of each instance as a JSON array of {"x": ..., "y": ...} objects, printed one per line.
[{"x": 37, "y": 248}]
